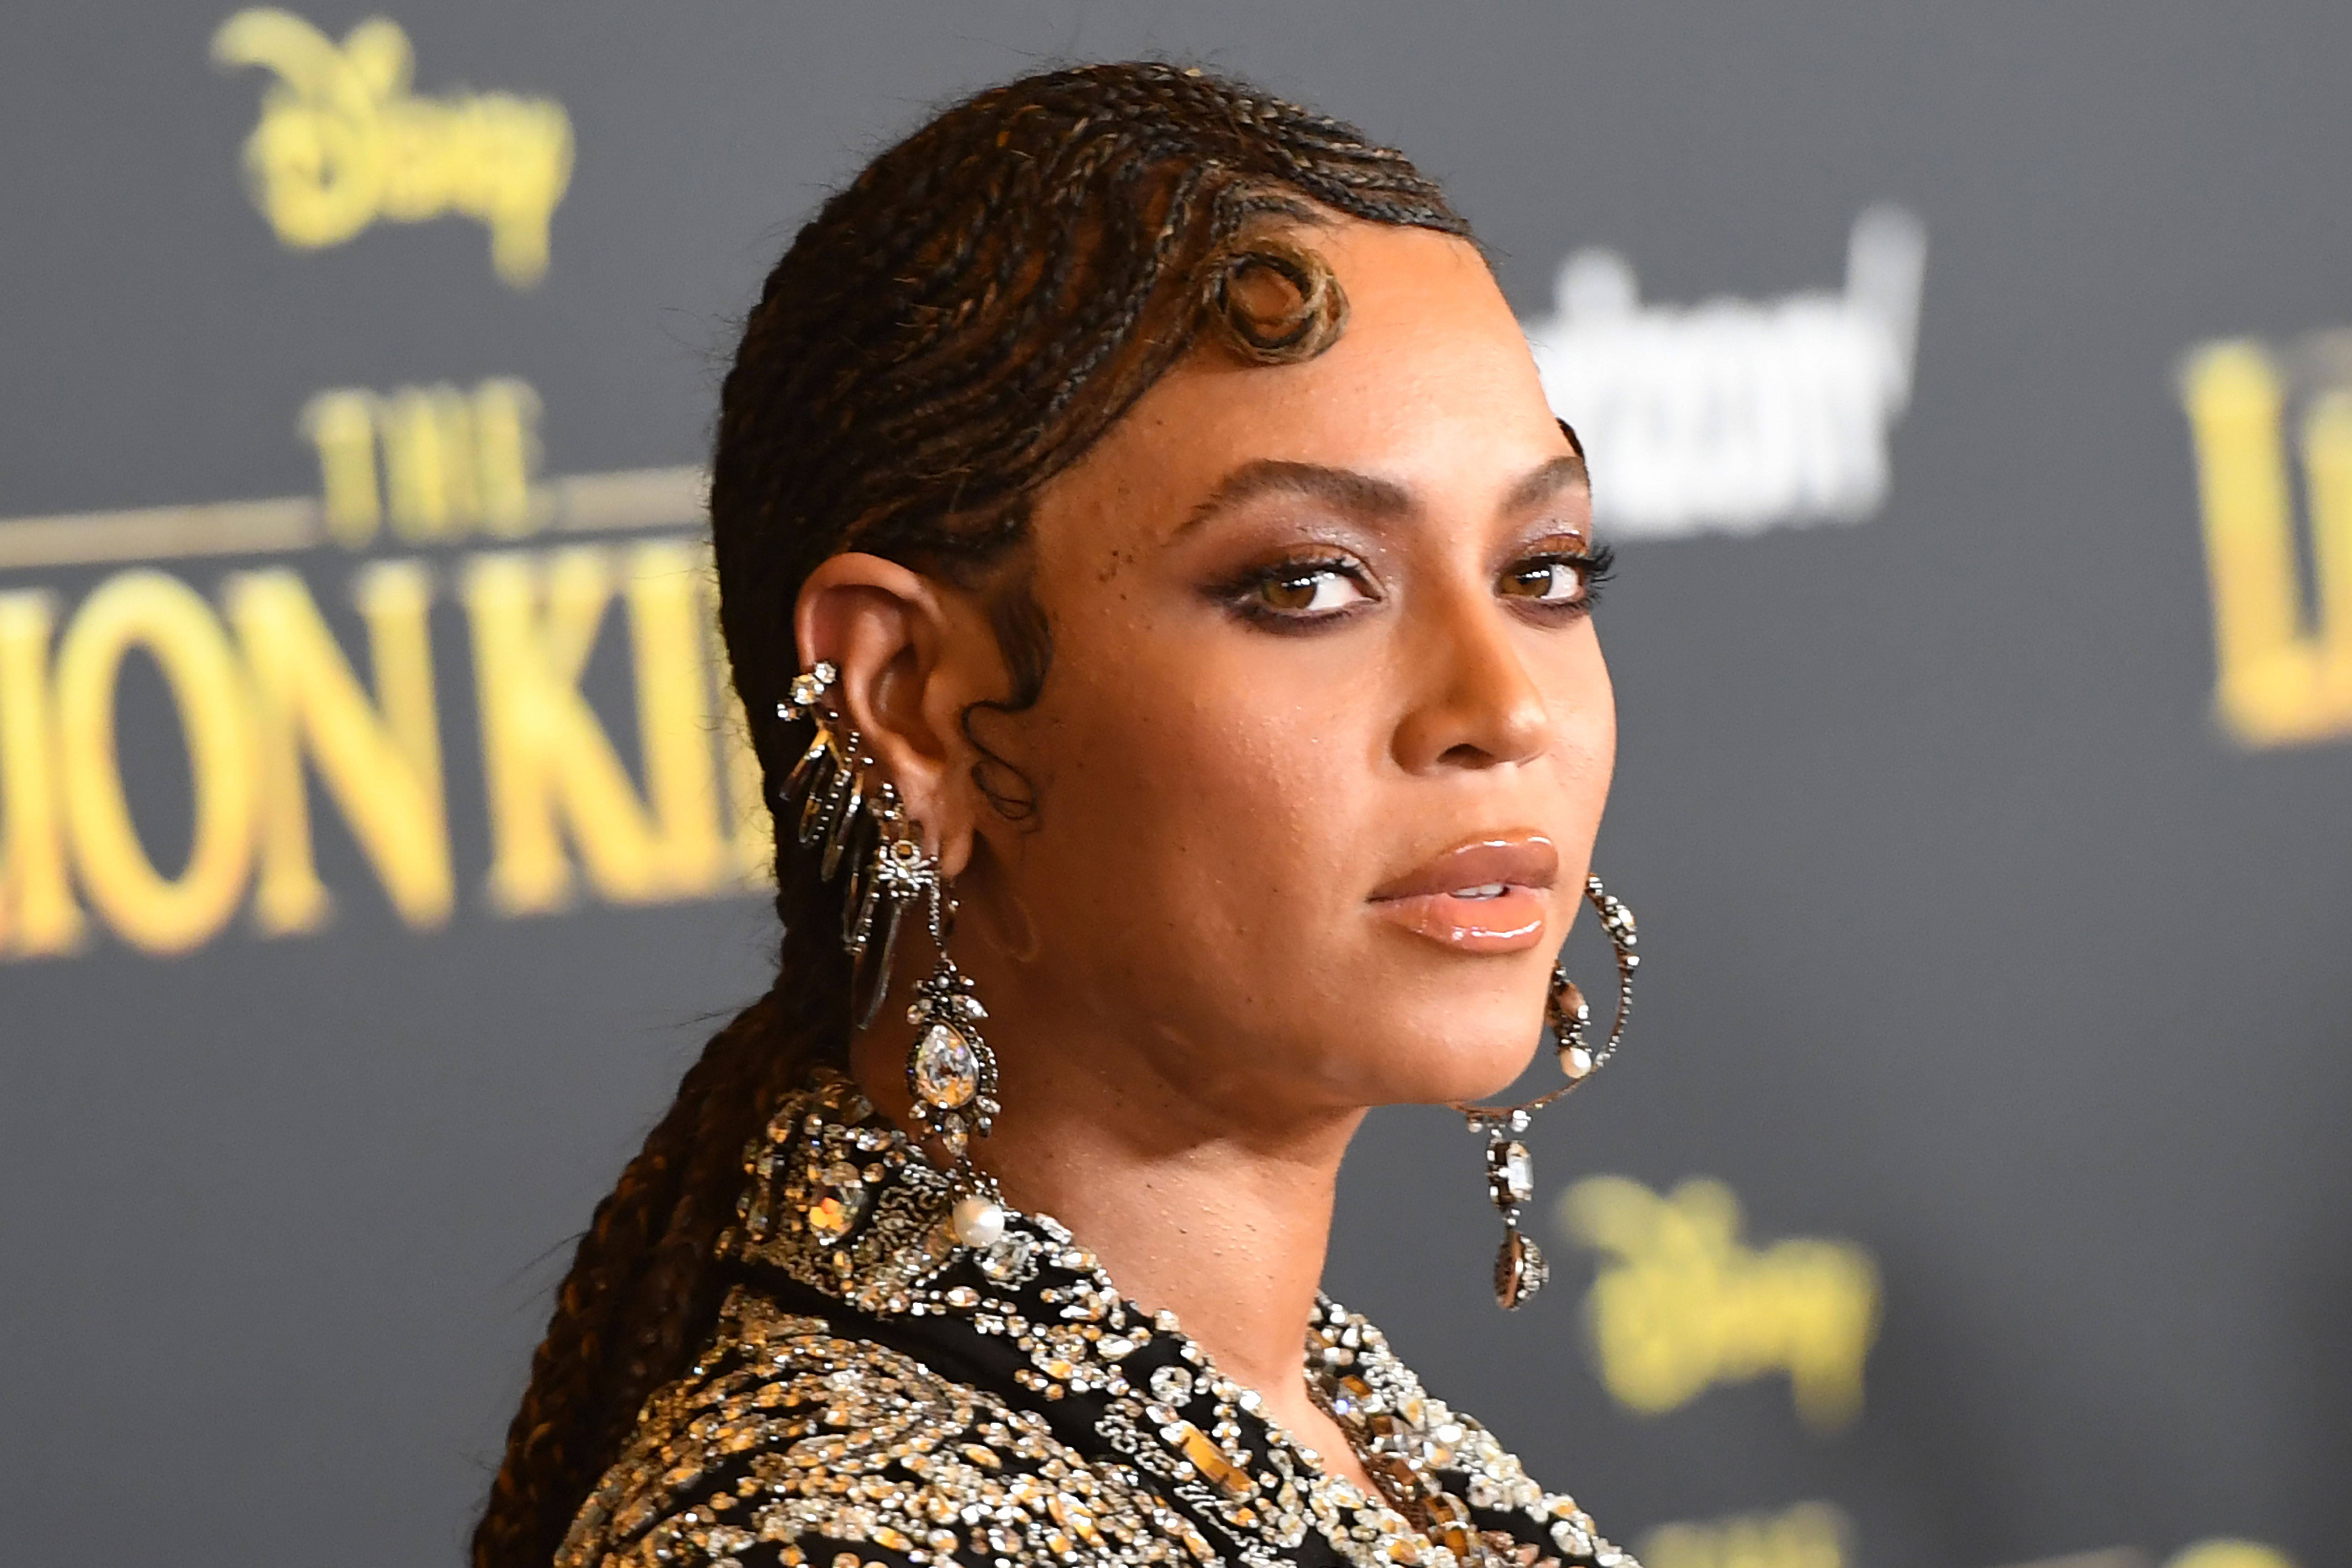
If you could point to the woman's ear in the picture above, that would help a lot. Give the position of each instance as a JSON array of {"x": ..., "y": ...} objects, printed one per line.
[{"x": 912, "y": 655}]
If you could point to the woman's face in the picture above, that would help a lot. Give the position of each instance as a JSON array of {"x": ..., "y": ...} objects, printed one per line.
[{"x": 1326, "y": 733}]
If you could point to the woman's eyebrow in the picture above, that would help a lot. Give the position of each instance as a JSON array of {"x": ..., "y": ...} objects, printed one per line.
[
  {"x": 1542, "y": 484},
  {"x": 1379, "y": 499}
]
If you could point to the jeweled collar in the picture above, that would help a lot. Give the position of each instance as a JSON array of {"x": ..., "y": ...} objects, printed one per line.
[{"x": 842, "y": 1202}]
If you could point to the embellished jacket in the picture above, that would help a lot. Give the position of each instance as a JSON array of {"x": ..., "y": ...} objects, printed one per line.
[{"x": 877, "y": 1395}]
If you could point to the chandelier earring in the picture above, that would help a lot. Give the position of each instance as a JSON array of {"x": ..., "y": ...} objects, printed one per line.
[
  {"x": 952, "y": 1075},
  {"x": 1519, "y": 1267},
  {"x": 951, "y": 1069}
]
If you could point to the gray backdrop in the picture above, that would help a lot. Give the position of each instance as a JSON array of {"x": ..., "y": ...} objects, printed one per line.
[{"x": 1975, "y": 941}]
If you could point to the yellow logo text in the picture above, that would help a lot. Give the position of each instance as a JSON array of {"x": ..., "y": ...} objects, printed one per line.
[
  {"x": 342, "y": 141},
  {"x": 2284, "y": 667},
  {"x": 437, "y": 463},
  {"x": 283, "y": 716},
  {"x": 268, "y": 700},
  {"x": 1682, "y": 1305}
]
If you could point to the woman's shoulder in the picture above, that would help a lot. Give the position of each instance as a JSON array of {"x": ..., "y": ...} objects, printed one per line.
[{"x": 790, "y": 1442}]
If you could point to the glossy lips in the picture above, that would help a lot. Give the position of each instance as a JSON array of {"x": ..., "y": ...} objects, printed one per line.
[{"x": 1484, "y": 896}]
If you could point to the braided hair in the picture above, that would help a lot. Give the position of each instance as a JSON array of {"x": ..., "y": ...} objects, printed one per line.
[{"x": 949, "y": 333}]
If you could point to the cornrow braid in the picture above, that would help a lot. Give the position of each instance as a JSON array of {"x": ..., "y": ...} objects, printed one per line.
[{"x": 947, "y": 333}]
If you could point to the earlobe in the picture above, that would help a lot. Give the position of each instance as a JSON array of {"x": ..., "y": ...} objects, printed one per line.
[{"x": 888, "y": 631}]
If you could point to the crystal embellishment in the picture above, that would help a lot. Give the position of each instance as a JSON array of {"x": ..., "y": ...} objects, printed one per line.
[
  {"x": 947, "y": 1068},
  {"x": 1070, "y": 1336},
  {"x": 1008, "y": 1260},
  {"x": 1172, "y": 1384},
  {"x": 838, "y": 1202},
  {"x": 1511, "y": 1173},
  {"x": 1519, "y": 1270},
  {"x": 952, "y": 1135},
  {"x": 1570, "y": 1010}
]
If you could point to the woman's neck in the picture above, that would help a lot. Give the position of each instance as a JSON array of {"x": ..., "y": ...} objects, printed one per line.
[{"x": 1220, "y": 1218}]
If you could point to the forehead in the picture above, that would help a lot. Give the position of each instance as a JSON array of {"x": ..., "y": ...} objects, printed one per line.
[{"x": 1431, "y": 388}]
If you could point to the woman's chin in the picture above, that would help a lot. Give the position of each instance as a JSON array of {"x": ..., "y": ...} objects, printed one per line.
[{"x": 1436, "y": 1071}]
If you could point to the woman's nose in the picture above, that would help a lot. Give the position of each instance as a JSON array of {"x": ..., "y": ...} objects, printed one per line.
[{"x": 1475, "y": 703}]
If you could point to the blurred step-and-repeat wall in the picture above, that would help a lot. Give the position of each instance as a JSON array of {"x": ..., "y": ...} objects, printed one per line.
[{"x": 1969, "y": 386}]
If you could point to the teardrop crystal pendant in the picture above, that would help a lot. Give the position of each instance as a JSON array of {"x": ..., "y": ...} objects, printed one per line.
[
  {"x": 1519, "y": 1270},
  {"x": 952, "y": 1074},
  {"x": 952, "y": 1071},
  {"x": 946, "y": 1069}
]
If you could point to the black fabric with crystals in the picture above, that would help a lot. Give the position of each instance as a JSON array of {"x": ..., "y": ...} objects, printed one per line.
[{"x": 876, "y": 1394}]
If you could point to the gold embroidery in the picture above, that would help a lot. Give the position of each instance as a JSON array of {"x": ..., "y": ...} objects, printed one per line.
[{"x": 791, "y": 1435}]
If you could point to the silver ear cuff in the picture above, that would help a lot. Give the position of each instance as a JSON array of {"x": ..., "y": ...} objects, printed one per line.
[{"x": 951, "y": 1071}]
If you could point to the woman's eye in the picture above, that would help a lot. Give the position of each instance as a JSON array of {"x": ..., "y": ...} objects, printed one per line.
[
  {"x": 1304, "y": 589},
  {"x": 1556, "y": 581}
]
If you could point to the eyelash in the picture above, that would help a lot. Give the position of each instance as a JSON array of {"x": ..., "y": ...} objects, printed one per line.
[{"x": 1597, "y": 566}]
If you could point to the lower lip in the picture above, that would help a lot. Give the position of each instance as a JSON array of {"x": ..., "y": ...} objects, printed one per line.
[{"x": 1511, "y": 922}]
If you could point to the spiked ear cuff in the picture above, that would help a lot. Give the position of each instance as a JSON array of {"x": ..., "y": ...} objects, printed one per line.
[{"x": 843, "y": 820}]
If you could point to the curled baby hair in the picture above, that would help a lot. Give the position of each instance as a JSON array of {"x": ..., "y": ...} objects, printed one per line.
[{"x": 952, "y": 330}]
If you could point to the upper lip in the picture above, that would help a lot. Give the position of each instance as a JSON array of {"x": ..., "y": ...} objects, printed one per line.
[{"x": 1516, "y": 860}]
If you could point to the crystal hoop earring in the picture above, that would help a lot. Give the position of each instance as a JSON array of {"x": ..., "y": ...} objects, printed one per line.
[
  {"x": 952, "y": 1069},
  {"x": 1519, "y": 1267}
]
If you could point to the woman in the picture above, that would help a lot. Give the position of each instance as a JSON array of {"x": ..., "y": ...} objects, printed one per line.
[{"x": 1141, "y": 530}]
